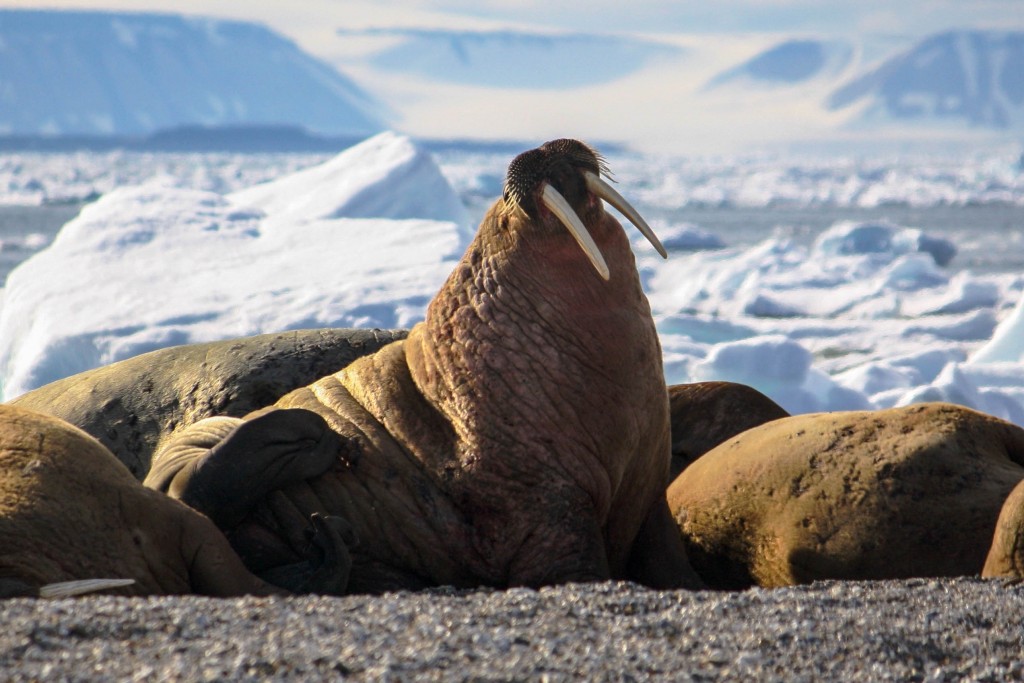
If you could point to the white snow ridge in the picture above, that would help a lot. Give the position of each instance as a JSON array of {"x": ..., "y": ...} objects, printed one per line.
[{"x": 363, "y": 240}]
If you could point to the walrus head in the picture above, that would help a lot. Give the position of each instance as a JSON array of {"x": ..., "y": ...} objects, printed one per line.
[{"x": 559, "y": 177}]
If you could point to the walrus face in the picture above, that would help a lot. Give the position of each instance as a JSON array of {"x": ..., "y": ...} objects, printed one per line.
[{"x": 563, "y": 178}]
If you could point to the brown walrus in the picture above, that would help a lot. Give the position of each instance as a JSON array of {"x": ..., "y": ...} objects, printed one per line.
[
  {"x": 135, "y": 405},
  {"x": 887, "y": 494},
  {"x": 705, "y": 414},
  {"x": 73, "y": 519},
  {"x": 519, "y": 436},
  {"x": 1006, "y": 556}
]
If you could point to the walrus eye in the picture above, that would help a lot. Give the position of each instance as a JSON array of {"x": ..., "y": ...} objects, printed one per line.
[
  {"x": 556, "y": 203},
  {"x": 608, "y": 193}
]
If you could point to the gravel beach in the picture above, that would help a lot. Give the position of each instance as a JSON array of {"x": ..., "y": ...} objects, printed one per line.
[{"x": 916, "y": 630}]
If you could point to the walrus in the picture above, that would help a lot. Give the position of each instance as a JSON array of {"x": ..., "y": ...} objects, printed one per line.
[
  {"x": 73, "y": 519},
  {"x": 134, "y": 406},
  {"x": 519, "y": 436},
  {"x": 886, "y": 494},
  {"x": 705, "y": 414},
  {"x": 1006, "y": 555}
]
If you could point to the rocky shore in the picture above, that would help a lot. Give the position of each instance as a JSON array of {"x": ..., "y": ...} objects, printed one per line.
[{"x": 916, "y": 630}]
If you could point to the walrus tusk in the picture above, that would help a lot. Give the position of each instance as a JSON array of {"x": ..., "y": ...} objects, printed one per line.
[
  {"x": 554, "y": 200},
  {"x": 608, "y": 193},
  {"x": 66, "y": 589}
]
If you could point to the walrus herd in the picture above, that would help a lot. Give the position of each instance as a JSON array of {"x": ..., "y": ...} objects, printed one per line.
[{"x": 521, "y": 435}]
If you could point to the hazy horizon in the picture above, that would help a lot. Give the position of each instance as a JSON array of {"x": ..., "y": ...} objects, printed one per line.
[{"x": 663, "y": 105}]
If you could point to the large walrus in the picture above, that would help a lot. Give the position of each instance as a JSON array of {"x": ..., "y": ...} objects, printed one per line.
[
  {"x": 886, "y": 494},
  {"x": 73, "y": 519},
  {"x": 518, "y": 436}
]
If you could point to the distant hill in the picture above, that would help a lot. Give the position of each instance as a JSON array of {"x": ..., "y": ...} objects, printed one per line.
[
  {"x": 108, "y": 74},
  {"x": 964, "y": 78},
  {"x": 788, "y": 63},
  {"x": 514, "y": 58}
]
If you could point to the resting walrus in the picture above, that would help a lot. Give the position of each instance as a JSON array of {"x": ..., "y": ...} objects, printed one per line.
[
  {"x": 73, "y": 519},
  {"x": 519, "y": 436},
  {"x": 885, "y": 494}
]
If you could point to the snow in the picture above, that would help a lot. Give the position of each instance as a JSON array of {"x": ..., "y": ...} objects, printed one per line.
[
  {"x": 668, "y": 182},
  {"x": 870, "y": 314},
  {"x": 710, "y": 92},
  {"x": 1007, "y": 343},
  {"x": 152, "y": 266},
  {"x": 516, "y": 59},
  {"x": 416, "y": 188},
  {"x": 127, "y": 73},
  {"x": 89, "y": 73}
]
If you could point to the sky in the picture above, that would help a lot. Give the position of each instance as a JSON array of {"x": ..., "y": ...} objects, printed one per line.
[{"x": 725, "y": 32}]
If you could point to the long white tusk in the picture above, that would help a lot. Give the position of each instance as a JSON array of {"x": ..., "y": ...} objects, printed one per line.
[
  {"x": 66, "y": 589},
  {"x": 554, "y": 200},
  {"x": 608, "y": 193}
]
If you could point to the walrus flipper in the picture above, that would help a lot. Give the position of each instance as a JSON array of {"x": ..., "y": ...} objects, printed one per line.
[
  {"x": 224, "y": 466},
  {"x": 330, "y": 564}
]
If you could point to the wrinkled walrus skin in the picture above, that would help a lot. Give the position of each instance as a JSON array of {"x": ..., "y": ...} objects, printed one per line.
[
  {"x": 887, "y": 494},
  {"x": 519, "y": 435},
  {"x": 70, "y": 511},
  {"x": 134, "y": 405}
]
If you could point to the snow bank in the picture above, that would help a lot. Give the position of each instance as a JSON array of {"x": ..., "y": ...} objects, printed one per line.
[
  {"x": 153, "y": 266},
  {"x": 384, "y": 177}
]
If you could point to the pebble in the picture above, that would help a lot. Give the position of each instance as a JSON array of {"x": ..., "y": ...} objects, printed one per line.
[{"x": 916, "y": 630}]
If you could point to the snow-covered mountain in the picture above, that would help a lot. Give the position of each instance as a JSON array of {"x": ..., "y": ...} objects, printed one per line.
[
  {"x": 99, "y": 73},
  {"x": 789, "y": 63},
  {"x": 963, "y": 78},
  {"x": 124, "y": 74},
  {"x": 697, "y": 92},
  {"x": 514, "y": 58}
]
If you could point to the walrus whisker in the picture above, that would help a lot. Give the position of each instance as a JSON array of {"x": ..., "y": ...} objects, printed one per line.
[
  {"x": 599, "y": 187},
  {"x": 554, "y": 200},
  {"x": 67, "y": 589}
]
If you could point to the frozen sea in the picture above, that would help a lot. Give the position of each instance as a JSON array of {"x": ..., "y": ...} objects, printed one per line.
[{"x": 827, "y": 282}]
